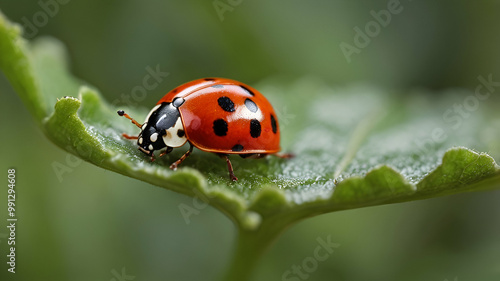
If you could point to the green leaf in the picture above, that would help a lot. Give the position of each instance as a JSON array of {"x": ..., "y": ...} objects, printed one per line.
[{"x": 356, "y": 146}]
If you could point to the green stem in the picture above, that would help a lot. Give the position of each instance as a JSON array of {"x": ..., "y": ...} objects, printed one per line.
[{"x": 250, "y": 246}]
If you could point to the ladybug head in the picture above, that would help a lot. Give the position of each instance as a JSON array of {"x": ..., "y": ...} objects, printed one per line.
[
  {"x": 150, "y": 139},
  {"x": 162, "y": 128}
]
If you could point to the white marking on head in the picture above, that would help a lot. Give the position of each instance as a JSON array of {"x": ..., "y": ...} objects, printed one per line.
[
  {"x": 171, "y": 138},
  {"x": 150, "y": 147},
  {"x": 140, "y": 140},
  {"x": 154, "y": 137},
  {"x": 151, "y": 112}
]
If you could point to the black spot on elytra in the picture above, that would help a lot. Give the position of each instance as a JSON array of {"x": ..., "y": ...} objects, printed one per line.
[
  {"x": 209, "y": 79},
  {"x": 175, "y": 90},
  {"x": 220, "y": 127},
  {"x": 180, "y": 133},
  {"x": 274, "y": 125},
  {"x": 177, "y": 102},
  {"x": 218, "y": 86},
  {"x": 247, "y": 90},
  {"x": 226, "y": 103},
  {"x": 251, "y": 105},
  {"x": 255, "y": 128},
  {"x": 237, "y": 147}
]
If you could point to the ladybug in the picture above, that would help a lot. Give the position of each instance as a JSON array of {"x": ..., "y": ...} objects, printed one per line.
[{"x": 217, "y": 115}]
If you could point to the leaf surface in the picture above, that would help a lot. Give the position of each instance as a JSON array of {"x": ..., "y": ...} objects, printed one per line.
[{"x": 355, "y": 146}]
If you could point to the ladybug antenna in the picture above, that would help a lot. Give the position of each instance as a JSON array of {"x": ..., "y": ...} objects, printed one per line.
[{"x": 122, "y": 113}]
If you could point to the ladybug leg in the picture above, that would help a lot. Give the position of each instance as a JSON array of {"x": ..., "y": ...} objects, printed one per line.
[
  {"x": 230, "y": 168},
  {"x": 178, "y": 162},
  {"x": 129, "y": 137},
  {"x": 284, "y": 155},
  {"x": 166, "y": 151},
  {"x": 122, "y": 113}
]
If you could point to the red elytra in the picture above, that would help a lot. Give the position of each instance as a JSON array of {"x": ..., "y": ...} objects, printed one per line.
[
  {"x": 202, "y": 107},
  {"x": 218, "y": 115}
]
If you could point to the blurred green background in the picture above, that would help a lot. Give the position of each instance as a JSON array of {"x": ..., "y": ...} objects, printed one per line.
[{"x": 93, "y": 223}]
